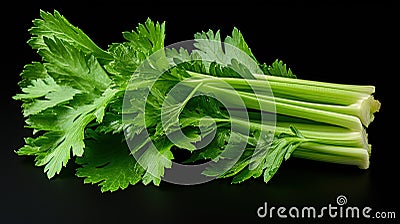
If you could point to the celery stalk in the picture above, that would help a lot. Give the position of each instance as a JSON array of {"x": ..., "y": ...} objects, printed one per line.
[{"x": 331, "y": 117}]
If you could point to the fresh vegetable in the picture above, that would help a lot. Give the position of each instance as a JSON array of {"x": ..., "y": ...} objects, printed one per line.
[{"x": 127, "y": 113}]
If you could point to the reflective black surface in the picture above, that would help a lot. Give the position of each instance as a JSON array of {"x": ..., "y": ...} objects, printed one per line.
[{"x": 332, "y": 42}]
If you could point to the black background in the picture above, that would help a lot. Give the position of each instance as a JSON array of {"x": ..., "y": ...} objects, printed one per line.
[{"x": 335, "y": 42}]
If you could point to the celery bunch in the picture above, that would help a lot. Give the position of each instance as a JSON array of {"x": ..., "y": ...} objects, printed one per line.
[{"x": 125, "y": 113}]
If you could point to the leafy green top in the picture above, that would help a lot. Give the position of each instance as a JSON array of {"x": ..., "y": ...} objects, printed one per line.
[{"x": 73, "y": 101}]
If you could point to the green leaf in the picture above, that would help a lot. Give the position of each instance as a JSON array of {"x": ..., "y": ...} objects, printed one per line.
[
  {"x": 233, "y": 50},
  {"x": 267, "y": 159},
  {"x": 66, "y": 133},
  {"x": 73, "y": 67},
  {"x": 65, "y": 94},
  {"x": 209, "y": 47},
  {"x": 278, "y": 68},
  {"x": 147, "y": 39},
  {"x": 48, "y": 89},
  {"x": 236, "y": 39},
  {"x": 155, "y": 159},
  {"x": 108, "y": 163},
  {"x": 31, "y": 72},
  {"x": 213, "y": 149},
  {"x": 56, "y": 25}
]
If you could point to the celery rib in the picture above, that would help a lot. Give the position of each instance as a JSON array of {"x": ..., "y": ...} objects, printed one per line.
[
  {"x": 331, "y": 117},
  {"x": 334, "y": 154},
  {"x": 365, "y": 89},
  {"x": 252, "y": 102}
]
